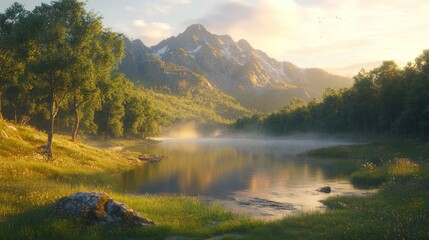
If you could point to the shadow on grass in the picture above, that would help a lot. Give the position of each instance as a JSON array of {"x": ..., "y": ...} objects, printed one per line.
[{"x": 42, "y": 223}]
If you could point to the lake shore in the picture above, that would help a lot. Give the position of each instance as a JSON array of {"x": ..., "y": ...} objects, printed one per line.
[{"x": 29, "y": 183}]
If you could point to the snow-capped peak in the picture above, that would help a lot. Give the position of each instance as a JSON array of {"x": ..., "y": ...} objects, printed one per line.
[{"x": 161, "y": 51}]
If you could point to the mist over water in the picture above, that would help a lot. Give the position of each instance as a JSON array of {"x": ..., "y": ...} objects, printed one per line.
[
  {"x": 266, "y": 178},
  {"x": 181, "y": 131}
]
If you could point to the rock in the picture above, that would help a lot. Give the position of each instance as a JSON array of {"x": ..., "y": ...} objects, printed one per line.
[
  {"x": 151, "y": 158},
  {"x": 98, "y": 207},
  {"x": 265, "y": 203},
  {"x": 326, "y": 189}
]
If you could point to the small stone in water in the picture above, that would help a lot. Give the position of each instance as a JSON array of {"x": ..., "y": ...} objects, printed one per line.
[{"x": 326, "y": 189}]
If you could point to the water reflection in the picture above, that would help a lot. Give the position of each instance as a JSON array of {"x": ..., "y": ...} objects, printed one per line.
[{"x": 242, "y": 173}]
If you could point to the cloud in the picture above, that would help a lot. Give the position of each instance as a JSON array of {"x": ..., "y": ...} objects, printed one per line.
[
  {"x": 180, "y": 1},
  {"x": 139, "y": 23},
  {"x": 331, "y": 32},
  {"x": 150, "y": 8},
  {"x": 150, "y": 32},
  {"x": 155, "y": 8},
  {"x": 228, "y": 15},
  {"x": 131, "y": 9}
]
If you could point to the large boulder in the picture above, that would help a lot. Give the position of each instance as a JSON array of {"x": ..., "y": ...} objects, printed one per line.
[{"x": 98, "y": 207}]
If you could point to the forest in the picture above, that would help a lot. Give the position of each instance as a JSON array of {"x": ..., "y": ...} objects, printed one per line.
[
  {"x": 388, "y": 100},
  {"x": 58, "y": 73}
]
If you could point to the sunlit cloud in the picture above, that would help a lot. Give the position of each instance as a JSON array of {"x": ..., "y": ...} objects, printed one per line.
[
  {"x": 321, "y": 33},
  {"x": 139, "y": 23},
  {"x": 151, "y": 32},
  {"x": 331, "y": 32}
]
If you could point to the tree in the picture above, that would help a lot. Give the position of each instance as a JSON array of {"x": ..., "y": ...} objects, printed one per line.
[
  {"x": 10, "y": 67},
  {"x": 390, "y": 86},
  {"x": 331, "y": 111},
  {"x": 103, "y": 51},
  {"x": 414, "y": 119},
  {"x": 22, "y": 101},
  {"x": 140, "y": 118},
  {"x": 361, "y": 101},
  {"x": 58, "y": 35},
  {"x": 110, "y": 117}
]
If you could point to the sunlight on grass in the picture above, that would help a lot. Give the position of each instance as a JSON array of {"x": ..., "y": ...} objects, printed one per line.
[
  {"x": 371, "y": 175},
  {"x": 29, "y": 183}
]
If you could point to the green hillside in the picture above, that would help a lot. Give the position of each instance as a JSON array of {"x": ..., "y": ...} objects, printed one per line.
[
  {"x": 215, "y": 108},
  {"x": 29, "y": 183}
]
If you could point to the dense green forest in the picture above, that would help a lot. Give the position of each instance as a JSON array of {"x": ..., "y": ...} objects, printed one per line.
[
  {"x": 57, "y": 72},
  {"x": 386, "y": 100}
]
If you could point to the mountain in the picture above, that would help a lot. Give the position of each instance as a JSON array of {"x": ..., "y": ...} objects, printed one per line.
[
  {"x": 194, "y": 98},
  {"x": 209, "y": 62}
]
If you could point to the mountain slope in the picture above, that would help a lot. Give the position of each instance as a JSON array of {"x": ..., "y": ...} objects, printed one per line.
[
  {"x": 177, "y": 84},
  {"x": 218, "y": 63}
]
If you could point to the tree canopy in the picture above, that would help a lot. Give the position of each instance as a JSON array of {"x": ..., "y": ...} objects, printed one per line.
[
  {"x": 58, "y": 61},
  {"x": 385, "y": 100}
]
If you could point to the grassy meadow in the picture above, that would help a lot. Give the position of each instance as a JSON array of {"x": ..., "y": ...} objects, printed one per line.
[{"x": 29, "y": 183}]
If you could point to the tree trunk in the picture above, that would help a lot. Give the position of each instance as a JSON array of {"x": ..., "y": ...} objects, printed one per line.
[
  {"x": 76, "y": 120},
  {"x": 15, "y": 119},
  {"x": 52, "y": 125},
  {"x": 1, "y": 115}
]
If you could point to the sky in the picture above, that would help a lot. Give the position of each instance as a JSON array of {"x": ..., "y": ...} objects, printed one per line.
[{"x": 309, "y": 33}]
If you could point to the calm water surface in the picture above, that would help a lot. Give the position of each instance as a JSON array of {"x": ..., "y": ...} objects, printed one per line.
[{"x": 263, "y": 178}]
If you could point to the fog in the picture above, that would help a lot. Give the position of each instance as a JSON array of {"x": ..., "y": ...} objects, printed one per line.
[
  {"x": 192, "y": 132},
  {"x": 182, "y": 131},
  {"x": 262, "y": 176},
  {"x": 216, "y": 134},
  {"x": 278, "y": 146}
]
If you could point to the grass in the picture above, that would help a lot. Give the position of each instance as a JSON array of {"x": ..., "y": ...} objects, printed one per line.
[
  {"x": 371, "y": 176},
  {"x": 29, "y": 183},
  {"x": 380, "y": 161}
]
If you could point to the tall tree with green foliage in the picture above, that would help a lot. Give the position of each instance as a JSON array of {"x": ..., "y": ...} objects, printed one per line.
[
  {"x": 390, "y": 86},
  {"x": 10, "y": 67},
  {"x": 331, "y": 114},
  {"x": 61, "y": 57},
  {"x": 109, "y": 118},
  {"x": 414, "y": 120},
  {"x": 140, "y": 120},
  {"x": 99, "y": 53},
  {"x": 361, "y": 103}
]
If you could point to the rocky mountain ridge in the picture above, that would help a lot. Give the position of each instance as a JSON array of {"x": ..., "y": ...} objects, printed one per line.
[{"x": 199, "y": 61}]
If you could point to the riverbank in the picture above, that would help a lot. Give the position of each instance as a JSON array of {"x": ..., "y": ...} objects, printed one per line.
[
  {"x": 29, "y": 183},
  {"x": 399, "y": 210}
]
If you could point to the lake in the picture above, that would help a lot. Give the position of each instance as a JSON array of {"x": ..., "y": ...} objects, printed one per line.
[{"x": 263, "y": 178}]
